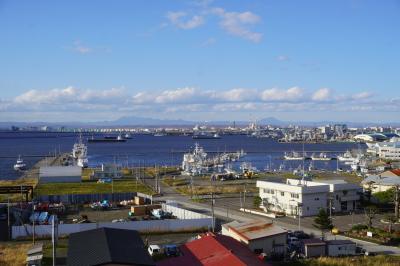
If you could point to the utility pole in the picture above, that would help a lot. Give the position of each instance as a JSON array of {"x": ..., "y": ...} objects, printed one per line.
[
  {"x": 396, "y": 201},
  {"x": 33, "y": 231},
  {"x": 8, "y": 217},
  {"x": 54, "y": 238},
  {"x": 212, "y": 212}
]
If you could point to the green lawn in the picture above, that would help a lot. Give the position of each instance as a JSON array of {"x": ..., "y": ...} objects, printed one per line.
[{"x": 91, "y": 188}]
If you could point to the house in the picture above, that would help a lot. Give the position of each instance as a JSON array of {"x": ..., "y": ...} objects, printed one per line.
[
  {"x": 259, "y": 236},
  {"x": 60, "y": 174},
  {"x": 107, "y": 246},
  {"x": 340, "y": 248},
  {"x": 313, "y": 247},
  {"x": 213, "y": 250},
  {"x": 391, "y": 173},
  {"x": 306, "y": 198},
  {"x": 378, "y": 183}
]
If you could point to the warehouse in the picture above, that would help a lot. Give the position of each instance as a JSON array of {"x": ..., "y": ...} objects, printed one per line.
[{"x": 60, "y": 174}]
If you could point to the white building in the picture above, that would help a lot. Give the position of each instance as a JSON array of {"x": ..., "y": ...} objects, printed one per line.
[
  {"x": 305, "y": 198},
  {"x": 388, "y": 150},
  {"x": 259, "y": 236},
  {"x": 60, "y": 174}
]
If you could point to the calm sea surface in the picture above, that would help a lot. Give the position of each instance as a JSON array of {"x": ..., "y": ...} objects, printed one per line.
[{"x": 149, "y": 150}]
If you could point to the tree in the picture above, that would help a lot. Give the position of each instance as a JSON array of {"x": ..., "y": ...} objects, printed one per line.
[
  {"x": 391, "y": 220},
  {"x": 370, "y": 213},
  {"x": 323, "y": 222},
  {"x": 385, "y": 197},
  {"x": 257, "y": 201}
]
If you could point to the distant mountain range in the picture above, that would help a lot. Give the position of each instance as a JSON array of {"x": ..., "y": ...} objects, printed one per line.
[{"x": 143, "y": 121}]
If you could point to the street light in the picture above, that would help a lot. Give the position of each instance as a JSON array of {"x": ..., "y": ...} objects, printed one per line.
[{"x": 299, "y": 204}]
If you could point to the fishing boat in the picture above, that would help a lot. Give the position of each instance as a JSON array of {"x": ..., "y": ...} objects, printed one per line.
[
  {"x": 205, "y": 135},
  {"x": 321, "y": 157},
  {"x": 118, "y": 138},
  {"x": 20, "y": 165},
  {"x": 293, "y": 156}
]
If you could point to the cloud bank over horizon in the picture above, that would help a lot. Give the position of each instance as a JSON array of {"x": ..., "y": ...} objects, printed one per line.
[{"x": 189, "y": 100}]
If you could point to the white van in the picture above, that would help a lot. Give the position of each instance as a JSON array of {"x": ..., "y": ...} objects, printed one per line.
[{"x": 154, "y": 250}]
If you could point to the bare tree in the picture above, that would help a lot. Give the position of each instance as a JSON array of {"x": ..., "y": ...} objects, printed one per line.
[
  {"x": 370, "y": 213},
  {"x": 391, "y": 219}
]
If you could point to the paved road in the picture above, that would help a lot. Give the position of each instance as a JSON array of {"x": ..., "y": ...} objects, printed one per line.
[{"x": 226, "y": 210}]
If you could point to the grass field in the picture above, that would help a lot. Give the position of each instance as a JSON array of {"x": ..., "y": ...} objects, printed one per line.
[
  {"x": 92, "y": 188},
  {"x": 183, "y": 187},
  {"x": 380, "y": 260},
  {"x": 13, "y": 253}
]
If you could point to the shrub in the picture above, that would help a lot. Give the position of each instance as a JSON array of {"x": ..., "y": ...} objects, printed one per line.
[{"x": 359, "y": 227}]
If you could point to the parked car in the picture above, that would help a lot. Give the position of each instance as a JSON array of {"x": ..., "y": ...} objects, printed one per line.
[
  {"x": 154, "y": 250},
  {"x": 171, "y": 250},
  {"x": 293, "y": 241}
]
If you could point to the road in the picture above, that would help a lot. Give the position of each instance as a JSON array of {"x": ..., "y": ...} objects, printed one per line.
[{"x": 227, "y": 209}]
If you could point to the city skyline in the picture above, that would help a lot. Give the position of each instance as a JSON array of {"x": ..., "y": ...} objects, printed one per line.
[{"x": 199, "y": 60}]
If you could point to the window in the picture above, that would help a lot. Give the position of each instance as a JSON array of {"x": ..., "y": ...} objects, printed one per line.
[
  {"x": 316, "y": 199},
  {"x": 282, "y": 193},
  {"x": 294, "y": 195},
  {"x": 344, "y": 192}
]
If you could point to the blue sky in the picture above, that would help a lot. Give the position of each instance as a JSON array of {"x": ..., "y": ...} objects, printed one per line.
[{"x": 200, "y": 60}]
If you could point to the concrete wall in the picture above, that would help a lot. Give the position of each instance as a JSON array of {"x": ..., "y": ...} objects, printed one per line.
[
  {"x": 141, "y": 226},
  {"x": 341, "y": 250},
  {"x": 187, "y": 221}
]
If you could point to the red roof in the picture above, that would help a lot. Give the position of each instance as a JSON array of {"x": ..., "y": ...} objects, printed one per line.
[
  {"x": 214, "y": 250},
  {"x": 396, "y": 171}
]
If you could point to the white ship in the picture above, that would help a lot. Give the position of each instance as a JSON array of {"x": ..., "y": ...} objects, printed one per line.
[
  {"x": 79, "y": 153},
  {"x": 292, "y": 156},
  {"x": 20, "y": 165},
  {"x": 194, "y": 163},
  {"x": 347, "y": 157},
  {"x": 321, "y": 157}
]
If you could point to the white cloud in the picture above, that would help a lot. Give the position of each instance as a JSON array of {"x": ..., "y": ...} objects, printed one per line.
[
  {"x": 68, "y": 95},
  {"x": 189, "y": 101},
  {"x": 322, "y": 94},
  {"x": 362, "y": 95},
  {"x": 80, "y": 48},
  {"x": 179, "y": 19},
  {"x": 291, "y": 94},
  {"x": 237, "y": 95},
  {"x": 282, "y": 58},
  {"x": 180, "y": 94},
  {"x": 236, "y": 23}
]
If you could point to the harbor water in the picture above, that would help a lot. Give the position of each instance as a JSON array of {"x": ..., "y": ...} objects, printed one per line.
[{"x": 149, "y": 150}]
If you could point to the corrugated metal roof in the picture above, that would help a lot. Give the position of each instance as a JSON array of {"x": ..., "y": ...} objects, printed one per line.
[
  {"x": 60, "y": 171},
  {"x": 254, "y": 229}
]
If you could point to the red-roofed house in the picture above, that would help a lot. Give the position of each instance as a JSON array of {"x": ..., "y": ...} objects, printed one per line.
[
  {"x": 391, "y": 173},
  {"x": 213, "y": 250}
]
